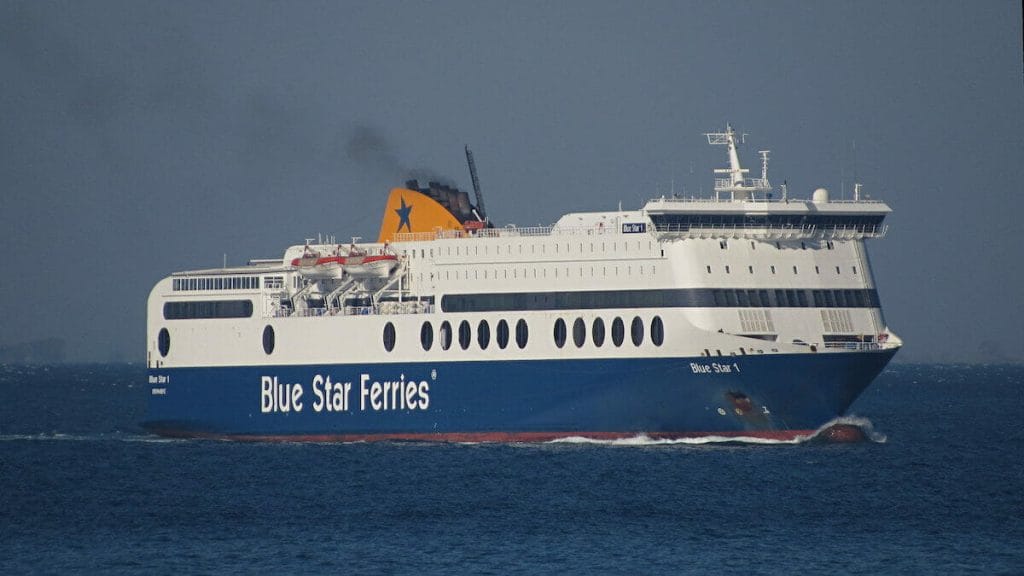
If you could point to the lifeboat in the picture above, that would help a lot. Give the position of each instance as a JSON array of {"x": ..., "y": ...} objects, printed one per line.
[
  {"x": 320, "y": 266},
  {"x": 380, "y": 266}
]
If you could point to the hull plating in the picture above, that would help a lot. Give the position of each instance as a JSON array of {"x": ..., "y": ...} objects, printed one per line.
[{"x": 768, "y": 396}]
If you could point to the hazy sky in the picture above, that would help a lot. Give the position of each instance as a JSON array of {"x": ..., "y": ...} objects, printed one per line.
[{"x": 140, "y": 138}]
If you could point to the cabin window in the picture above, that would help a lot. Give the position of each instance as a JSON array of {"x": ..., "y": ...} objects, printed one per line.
[
  {"x": 618, "y": 332},
  {"x": 268, "y": 340},
  {"x": 597, "y": 332},
  {"x": 464, "y": 334},
  {"x": 502, "y": 334},
  {"x": 522, "y": 333},
  {"x": 636, "y": 331},
  {"x": 163, "y": 341},
  {"x": 579, "y": 332},
  {"x": 709, "y": 269},
  {"x": 445, "y": 335},
  {"x": 483, "y": 334},
  {"x": 855, "y": 270},
  {"x": 559, "y": 333},
  {"x": 657, "y": 331},
  {"x": 389, "y": 336},
  {"x": 773, "y": 269},
  {"x": 426, "y": 335}
]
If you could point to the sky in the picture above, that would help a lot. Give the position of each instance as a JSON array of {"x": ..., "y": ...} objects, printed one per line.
[{"x": 142, "y": 138}]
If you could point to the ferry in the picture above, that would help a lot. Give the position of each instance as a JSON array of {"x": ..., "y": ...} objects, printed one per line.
[{"x": 746, "y": 314}]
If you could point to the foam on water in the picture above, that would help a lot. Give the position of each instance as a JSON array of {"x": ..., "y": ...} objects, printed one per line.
[
  {"x": 865, "y": 425},
  {"x": 98, "y": 437}
]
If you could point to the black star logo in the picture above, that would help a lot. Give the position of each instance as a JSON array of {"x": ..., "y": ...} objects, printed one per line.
[{"x": 403, "y": 216}]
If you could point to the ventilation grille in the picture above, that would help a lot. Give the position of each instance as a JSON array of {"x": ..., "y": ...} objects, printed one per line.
[
  {"x": 837, "y": 321},
  {"x": 754, "y": 321}
]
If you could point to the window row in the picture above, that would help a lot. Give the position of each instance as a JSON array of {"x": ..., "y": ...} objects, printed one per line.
[
  {"x": 869, "y": 223},
  {"x": 481, "y": 249},
  {"x": 189, "y": 310},
  {"x": 796, "y": 270},
  {"x": 636, "y": 332},
  {"x": 542, "y": 272},
  {"x": 665, "y": 298},
  {"x": 216, "y": 283},
  {"x": 445, "y": 335}
]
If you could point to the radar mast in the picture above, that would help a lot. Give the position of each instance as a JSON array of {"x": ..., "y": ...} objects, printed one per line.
[{"x": 736, "y": 184}]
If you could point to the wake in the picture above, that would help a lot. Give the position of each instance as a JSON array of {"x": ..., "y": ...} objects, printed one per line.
[{"x": 851, "y": 429}]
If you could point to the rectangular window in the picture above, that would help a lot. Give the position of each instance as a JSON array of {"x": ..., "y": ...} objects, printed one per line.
[
  {"x": 670, "y": 298},
  {"x": 211, "y": 309}
]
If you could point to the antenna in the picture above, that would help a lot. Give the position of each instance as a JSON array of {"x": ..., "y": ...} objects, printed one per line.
[
  {"x": 476, "y": 184},
  {"x": 735, "y": 183}
]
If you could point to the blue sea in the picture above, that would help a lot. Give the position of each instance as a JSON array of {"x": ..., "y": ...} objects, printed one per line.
[{"x": 939, "y": 488}]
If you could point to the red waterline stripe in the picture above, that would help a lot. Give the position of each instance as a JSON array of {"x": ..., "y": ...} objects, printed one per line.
[{"x": 781, "y": 435}]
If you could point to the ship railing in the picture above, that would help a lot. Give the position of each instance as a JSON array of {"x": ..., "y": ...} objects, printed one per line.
[
  {"x": 770, "y": 231},
  {"x": 758, "y": 196},
  {"x": 410, "y": 307},
  {"x": 853, "y": 346},
  {"x": 747, "y": 185},
  {"x": 507, "y": 232},
  {"x": 384, "y": 308}
]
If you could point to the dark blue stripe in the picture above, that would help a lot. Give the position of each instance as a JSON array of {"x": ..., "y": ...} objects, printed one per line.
[
  {"x": 642, "y": 395},
  {"x": 666, "y": 298}
]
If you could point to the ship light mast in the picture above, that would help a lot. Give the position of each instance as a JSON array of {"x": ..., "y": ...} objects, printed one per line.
[{"x": 736, "y": 185}]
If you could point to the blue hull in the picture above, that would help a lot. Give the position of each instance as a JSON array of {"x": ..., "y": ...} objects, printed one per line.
[{"x": 775, "y": 396}]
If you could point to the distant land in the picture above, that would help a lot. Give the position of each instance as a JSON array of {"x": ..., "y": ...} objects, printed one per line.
[{"x": 44, "y": 351}]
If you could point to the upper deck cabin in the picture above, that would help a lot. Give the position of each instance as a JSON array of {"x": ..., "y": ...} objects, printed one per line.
[{"x": 748, "y": 207}]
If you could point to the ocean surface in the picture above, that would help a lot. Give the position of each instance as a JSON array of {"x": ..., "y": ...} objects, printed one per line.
[{"x": 939, "y": 488}]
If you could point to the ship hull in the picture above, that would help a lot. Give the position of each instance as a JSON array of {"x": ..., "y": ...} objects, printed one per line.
[{"x": 778, "y": 396}]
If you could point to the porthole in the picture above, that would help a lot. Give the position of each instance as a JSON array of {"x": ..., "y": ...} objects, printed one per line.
[
  {"x": 502, "y": 334},
  {"x": 657, "y": 331},
  {"x": 464, "y": 334},
  {"x": 427, "y": 335},
  {"x": 164, "y": 342},
  {"x": 389, "y": 336},
  {"x": 598, "y": 332},
  {"x": 618, "y": 332},
  {"x": 636, "y": 331},
  {"x": 445, "y": 335},
  {"x": 522, "y": 333},
  {"x": 579, "y": 332},
  {"x": 559, "y": 332},
  {"x": 483, "y": 334},
  {"x": 268, "y": 339}
]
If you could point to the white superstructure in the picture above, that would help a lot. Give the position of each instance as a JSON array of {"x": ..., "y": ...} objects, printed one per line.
[{"x": 745, "y": 272}]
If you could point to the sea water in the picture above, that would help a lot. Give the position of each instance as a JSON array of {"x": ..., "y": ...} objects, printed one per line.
[{"x": 938, "y": 488}]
